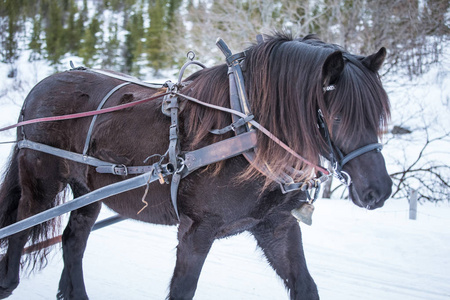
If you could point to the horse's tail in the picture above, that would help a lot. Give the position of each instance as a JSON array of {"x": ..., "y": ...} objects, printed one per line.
[
  {"x": 10, "y": 197},
  {"x": 10, "y": 193}
]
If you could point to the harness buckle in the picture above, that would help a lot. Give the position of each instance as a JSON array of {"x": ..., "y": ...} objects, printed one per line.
[
  {"x": 115, "y": 169},
  {"x": 125, "y": 169},
  {"x": 159, "y": 172}
]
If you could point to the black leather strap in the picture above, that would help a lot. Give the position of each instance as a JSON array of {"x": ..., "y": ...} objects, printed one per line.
[
  {"x": 89, "y": 198},
  {"x": 238, "y": 56},
  {"x": 101, "y": 166},
  {"x": 376, "y": 146},
  {"x": 84, "y": 159},
  {"x": 94, "y": 118},
  {"x": 123, "y": 170},
  {"x": 176, "y": 178},
  {"x": 219, "y": 151},
  {"x": 233, "y": 126}
]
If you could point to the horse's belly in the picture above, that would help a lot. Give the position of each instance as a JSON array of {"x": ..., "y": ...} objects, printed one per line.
[{"x": 155, "y": 207}]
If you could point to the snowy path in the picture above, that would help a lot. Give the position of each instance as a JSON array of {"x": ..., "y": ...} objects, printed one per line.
[{"x": 351, "y": 253}]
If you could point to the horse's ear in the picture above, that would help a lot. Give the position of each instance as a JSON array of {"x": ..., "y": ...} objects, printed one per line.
[
  {"x": 375, "y": 61},
  {"x": 332, "y": 68},
  {"x": 260, "y": 39}
]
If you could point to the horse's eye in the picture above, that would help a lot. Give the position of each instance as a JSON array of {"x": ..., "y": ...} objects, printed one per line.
[{"x": 337, "y": 119}]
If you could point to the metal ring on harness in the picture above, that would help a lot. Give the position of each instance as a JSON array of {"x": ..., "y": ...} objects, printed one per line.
[
  {"x": 343, "y": 177},
  {"x": 190, "y": 55},
  {"x": 182, "y": 165}
]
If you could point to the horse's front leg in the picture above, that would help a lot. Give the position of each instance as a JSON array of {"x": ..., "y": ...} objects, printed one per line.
[
  {"x": 74, "y": 240},
  {"x": 280, "y": 239},
  {"x": 194, "y": 242}
]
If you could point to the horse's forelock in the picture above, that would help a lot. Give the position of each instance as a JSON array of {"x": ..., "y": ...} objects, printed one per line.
[
  {"x": 359, "y": 101},
  {"x": 284, "y": 80}
]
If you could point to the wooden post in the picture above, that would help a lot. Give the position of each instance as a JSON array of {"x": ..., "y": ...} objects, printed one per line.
[{"x": 413, "y": 205}]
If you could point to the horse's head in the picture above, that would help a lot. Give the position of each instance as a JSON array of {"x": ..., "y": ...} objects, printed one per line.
[
  {"x": 284, "y": 79},
  {"x": 356, "y": 110}
]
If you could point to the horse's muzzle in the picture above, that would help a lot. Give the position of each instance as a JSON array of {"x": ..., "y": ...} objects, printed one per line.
[{"x": 372, "y": 197}]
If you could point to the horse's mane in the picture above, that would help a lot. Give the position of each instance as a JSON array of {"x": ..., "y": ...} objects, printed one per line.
[{"x": 283, "y": 78}]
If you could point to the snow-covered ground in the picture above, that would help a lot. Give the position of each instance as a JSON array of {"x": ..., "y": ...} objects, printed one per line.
[{"x": 351, "y": 253}]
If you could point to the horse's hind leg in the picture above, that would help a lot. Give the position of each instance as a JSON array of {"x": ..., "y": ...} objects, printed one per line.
[
  {"x": 74, "y": 240},
  {"x": 10, "y": 264},
  {"x": 194, "y": 242},
  {"x": 279, "y": 237},
  {"x": 39, "y": 185},
  {"x": 10, "y": 194}
]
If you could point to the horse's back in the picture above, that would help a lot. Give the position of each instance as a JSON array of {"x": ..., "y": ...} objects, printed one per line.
[
  {"x": 76, "y": 91},
  {"x": 125, "y": 137},
  {"x": 68, "y": 92}
]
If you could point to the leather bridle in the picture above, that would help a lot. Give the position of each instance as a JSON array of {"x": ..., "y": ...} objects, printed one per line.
[{"x": 336, "y": 156}]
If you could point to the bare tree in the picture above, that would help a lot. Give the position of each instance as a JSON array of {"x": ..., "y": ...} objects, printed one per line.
[
  {"x": 429, "y": 176},
  {"x": 238, "y": 22},
  {"x": 412, "y": 31}
]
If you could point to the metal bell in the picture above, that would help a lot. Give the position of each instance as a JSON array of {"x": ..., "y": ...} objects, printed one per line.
[{"x": 304, "y": 213}]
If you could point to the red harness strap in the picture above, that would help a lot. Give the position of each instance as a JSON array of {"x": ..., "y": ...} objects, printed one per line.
[{"x": 83, "y": 114}]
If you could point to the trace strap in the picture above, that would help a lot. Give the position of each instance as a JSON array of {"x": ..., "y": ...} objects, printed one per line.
[{"x": 94, "y": 196}]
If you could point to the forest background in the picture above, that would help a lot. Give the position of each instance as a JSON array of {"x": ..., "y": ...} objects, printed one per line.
[{"x": 150, "y": 38}]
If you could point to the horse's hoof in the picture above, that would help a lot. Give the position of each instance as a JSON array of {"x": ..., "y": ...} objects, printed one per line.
[
  {"x": 6, "y": 292},
  {"x": 63, "y": 296},
  {"x": 7, "y": 287}
]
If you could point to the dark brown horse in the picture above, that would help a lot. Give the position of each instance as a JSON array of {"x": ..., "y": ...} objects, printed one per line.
[{"x": 284, "y": 80}]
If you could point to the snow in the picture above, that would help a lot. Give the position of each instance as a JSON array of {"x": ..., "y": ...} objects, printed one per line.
[{"x": 351, "y": 253}]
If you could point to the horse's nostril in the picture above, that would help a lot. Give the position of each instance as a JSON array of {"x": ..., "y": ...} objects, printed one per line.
[
  {"x": 374, "y": 198},
  {"x": 371, "y": 198}
]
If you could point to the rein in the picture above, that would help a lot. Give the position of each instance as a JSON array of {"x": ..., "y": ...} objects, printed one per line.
[
  {"x": 83, "y": 114},
  {"x": 135, "y": 103}
]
